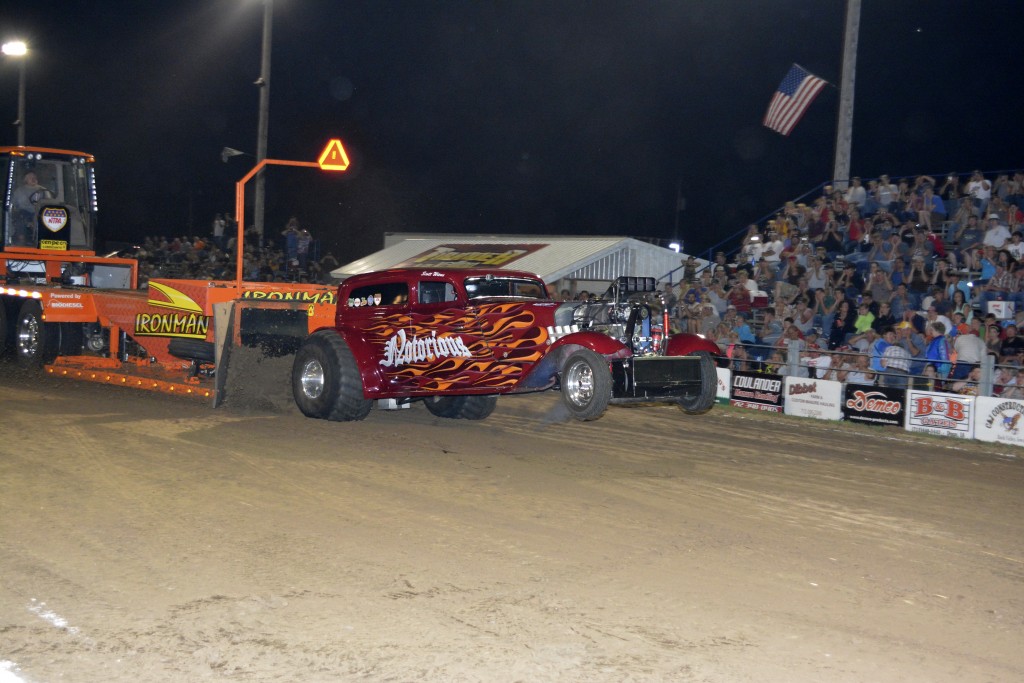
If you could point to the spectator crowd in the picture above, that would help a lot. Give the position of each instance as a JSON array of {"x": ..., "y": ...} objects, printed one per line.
[
  {"x": 292, "y": 257},
  {"x": 890, "y": 283}
]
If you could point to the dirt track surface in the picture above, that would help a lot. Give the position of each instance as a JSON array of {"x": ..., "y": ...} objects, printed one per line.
[{"x": 148, "y": 539}]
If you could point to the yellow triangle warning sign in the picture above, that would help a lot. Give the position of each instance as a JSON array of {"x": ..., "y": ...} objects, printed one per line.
[{"x": 333, "y": 158}]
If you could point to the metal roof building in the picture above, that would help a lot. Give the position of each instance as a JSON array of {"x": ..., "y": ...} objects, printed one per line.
[{"x": 554, "y": 258}]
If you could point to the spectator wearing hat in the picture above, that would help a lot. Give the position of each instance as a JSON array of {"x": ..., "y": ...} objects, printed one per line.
[
  {"x": 856, "y": 195},
  {"x": 970, "y": 349},
  {"x": 913, "y": 341},
  {"x": 1012, "y": 345},
  {"x": 850, "y": 281},
  {"x": 709, "y": 319},
  {"x": 814, "y": 363},
  {"x": 996, "y": 234},
  {"x": 895, "y": 362}
]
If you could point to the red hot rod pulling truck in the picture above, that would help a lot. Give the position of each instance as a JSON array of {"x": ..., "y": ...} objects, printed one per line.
[{"x": 457, "y": 339}]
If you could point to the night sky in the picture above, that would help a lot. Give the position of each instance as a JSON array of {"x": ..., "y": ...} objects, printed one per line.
[{"x": 554, "y": 116}]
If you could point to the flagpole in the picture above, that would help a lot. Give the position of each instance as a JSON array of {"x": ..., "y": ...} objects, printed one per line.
[{"x": 844, "y": 123}]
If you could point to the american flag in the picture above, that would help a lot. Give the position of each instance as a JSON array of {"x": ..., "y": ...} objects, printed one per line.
[{"x": 796, "y": 92}]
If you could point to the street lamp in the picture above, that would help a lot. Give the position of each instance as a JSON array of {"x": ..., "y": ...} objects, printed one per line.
[{"x": 18, "y": 48}]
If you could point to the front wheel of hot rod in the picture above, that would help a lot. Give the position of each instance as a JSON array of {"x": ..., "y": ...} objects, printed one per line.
[
  {"x": 461, "y": 407},
  {"x": 701, "y": 400},
  {"x": 326, "y": 381},
  {"x": 586, "y": 384}
]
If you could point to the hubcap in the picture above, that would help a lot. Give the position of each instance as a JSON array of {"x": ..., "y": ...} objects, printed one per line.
[
  {"x": 28, "y": 336},
  {"x": 579, "y": 383},
  {"x": 312, "y": 379}
]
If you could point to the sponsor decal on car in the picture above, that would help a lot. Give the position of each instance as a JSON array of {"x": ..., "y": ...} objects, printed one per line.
[{"x": 403, "y": 350}]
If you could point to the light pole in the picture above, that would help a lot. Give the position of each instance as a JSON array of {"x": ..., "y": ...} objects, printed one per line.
[
  {"x": 18, "y": 48},
  {"x": 261, "y": 134}
]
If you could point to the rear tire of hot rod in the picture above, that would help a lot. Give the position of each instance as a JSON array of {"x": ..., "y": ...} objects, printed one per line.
[
  {"x": 461, "y": 407},
  {"x": 325, "y": 380},
  {"x": 701, "y": 401},
  {"x": 586, "y": 383}
]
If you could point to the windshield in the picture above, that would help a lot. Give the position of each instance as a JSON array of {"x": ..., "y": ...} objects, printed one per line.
[
  {"x": 48, "y": 203},
  {"x": 507, "y": 287}
]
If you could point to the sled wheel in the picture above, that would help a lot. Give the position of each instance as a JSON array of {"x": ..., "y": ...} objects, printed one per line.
[{"x": 36, "y": 342}]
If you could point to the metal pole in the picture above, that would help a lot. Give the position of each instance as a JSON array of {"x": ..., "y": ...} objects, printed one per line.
[
  {"x": 21, "y": 103},
  {"x": 844, "y": 124},
  {"x": 261, "y": 135}
]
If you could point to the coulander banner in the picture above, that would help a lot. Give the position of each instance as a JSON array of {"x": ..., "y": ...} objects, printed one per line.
[
  {"x": 999, "y": 419},
  {"x": 757, "y": 391},
  {"x": 819, "y": 398}
]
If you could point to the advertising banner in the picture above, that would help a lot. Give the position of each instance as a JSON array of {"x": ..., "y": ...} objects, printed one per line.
[
  {"x": 818, "y": 398},
  {"x": 999, "y": 419},
  {"x": 874, "y": 405},
  {"x": 724, "y": 382},
  {"x": 758, "y": 391},
  {"x": 942, "y": 414},
  {"x": 459, "y": 255}
]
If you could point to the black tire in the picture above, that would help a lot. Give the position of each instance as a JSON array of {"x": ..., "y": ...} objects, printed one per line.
[
  {"x": 326, "y": 382},
  {"x": 586, "y": 384},
  {"x": 36, "y": 342},
  {"x": 462, "y": 407},
  {"x": 6, "y": 330},
  {"x": 701, "y": 401},
  {"x": 192, "y": 349}
]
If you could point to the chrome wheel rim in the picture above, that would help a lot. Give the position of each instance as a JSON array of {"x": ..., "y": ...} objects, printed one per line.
[
  {"x": 28, "y": 336},
  {"x": 579, "y": 384},
  {"x": 312, "y": 379}
]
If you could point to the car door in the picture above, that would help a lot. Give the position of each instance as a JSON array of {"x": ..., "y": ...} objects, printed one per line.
[{"x": 447, "y": 353}]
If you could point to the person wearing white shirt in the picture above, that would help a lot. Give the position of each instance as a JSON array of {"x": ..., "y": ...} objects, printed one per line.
[
  {"x": 771, "y": 251},
  {"x": 856, "y": 195},
  {"x": 1016, "y": 245},
  {"x": 980, "y": 191},
  {"x": 997, "y": 234}
]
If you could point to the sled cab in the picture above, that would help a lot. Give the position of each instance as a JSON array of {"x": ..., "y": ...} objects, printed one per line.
[{"x": 49, "y": 199}]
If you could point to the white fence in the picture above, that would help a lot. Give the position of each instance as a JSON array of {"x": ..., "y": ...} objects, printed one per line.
[{"x": 986, "y": 418}]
